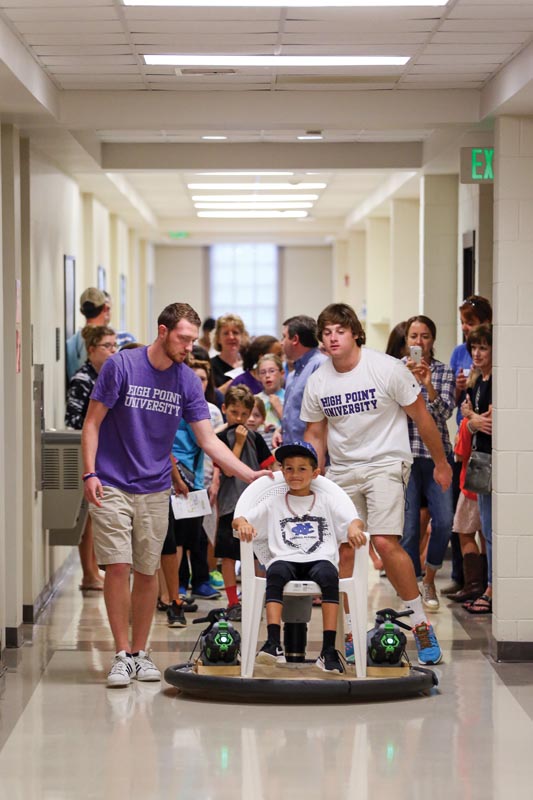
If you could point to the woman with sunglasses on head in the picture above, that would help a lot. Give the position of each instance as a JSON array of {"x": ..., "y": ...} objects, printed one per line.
[{"x": 100, "y": 343}]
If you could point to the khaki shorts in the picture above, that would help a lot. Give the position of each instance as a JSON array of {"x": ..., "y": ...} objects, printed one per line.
[
  {"x": 130, "y": 528},
  {"x": 378, "y": 493}
]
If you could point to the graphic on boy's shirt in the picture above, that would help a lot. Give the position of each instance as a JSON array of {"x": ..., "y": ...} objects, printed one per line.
[
  {"x": 341, "y": 405},
  {"x": 306, "y": 534},
  {"x": 149, "y": 398}
]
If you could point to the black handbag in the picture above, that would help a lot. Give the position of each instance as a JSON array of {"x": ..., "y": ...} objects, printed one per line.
[{"x": 478, "y": 477}]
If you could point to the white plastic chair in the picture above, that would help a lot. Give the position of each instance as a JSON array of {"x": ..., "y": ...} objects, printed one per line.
[{"x": 253, "y": 588}]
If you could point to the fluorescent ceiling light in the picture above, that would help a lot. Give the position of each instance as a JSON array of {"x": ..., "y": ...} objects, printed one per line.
[
  {"x": 252, "y": 198},
  {"x": 290, "y": 3},
  {"x": 214, "y": 138},
  {"x": 214, "y": 60},
  {"x": 251, "y": 206},
  {"x": 252, "y": 214},
  {"x": 257, "y": 187},
  {"x": 310, "y": 137},
  {"x": 248, "y": 173}
]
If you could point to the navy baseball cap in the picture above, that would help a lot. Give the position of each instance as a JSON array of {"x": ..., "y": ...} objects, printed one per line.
[{"x": 297, "y": 448}]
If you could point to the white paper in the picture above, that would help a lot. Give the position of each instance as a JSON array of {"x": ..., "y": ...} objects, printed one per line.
[
  {"x": 196, "y": 504},
  {"x": 234, "y": 373}
]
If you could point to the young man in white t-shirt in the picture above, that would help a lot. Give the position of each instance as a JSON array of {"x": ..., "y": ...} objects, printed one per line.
[{"x": 358, "y": 400}]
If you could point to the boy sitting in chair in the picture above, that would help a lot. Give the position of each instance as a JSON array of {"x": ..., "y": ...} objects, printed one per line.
[{"x": 304, "y": 531}]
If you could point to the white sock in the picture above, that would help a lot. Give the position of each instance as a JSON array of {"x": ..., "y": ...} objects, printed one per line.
[
  {"x": 347, "y": 623},
  {"x": 418, "y": 615}
]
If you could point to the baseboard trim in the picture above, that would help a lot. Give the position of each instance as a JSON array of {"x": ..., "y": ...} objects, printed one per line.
[
  {"x": 30, "y": 613},
  {"x": 512, "y": 651},
  {"x": 14, "y": 637}
]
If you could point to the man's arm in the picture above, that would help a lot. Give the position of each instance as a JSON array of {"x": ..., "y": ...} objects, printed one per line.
[
  {"x": 222, "y": 455},
  {"x": 316, "y": 434},
  {"x": 431, "y": 438},
  {"x": 89, "y": 445}
]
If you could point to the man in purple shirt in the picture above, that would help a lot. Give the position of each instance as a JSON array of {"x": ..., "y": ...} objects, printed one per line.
[{"x": 134, "y": 412}]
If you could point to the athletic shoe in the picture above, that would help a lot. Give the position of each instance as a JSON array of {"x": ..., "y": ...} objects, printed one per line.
[
  {"x": 205, "y": 592},
  {"x": 271, "y": 653},
  {"x": 234, "y": 612},
  {"x": 122, "y": 670},
  {"x": 189, "y": 605},
  {"x": 175, "y": 616},
  {"x": 430, "y": 601},
  {"x": 145, "y": 668},
  {"x": 215, "y": 579},
  {"x": 329, "y": 661},
  {"x": 427, "y": 645},
  {"x": 348, "y": 649}
]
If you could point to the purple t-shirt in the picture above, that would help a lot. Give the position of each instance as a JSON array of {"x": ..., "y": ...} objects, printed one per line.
[{"x": 145, "y": 407}]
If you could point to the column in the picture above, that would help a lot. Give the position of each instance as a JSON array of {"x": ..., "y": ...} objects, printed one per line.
[
  {"x": 405, "y": 259},
  {"x": 513, "y": 391},
  {"x": 439, "y": 203},
  {"x": 378, "y": 282}
]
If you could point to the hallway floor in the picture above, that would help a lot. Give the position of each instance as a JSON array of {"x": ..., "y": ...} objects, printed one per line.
[{"x": 64, "y": 735}]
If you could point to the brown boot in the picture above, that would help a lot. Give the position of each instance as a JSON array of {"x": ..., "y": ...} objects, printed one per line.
[{"x": 474, "y": 587}]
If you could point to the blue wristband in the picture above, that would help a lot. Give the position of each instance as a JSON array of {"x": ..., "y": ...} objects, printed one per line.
[{"x": 88, "y": 475}]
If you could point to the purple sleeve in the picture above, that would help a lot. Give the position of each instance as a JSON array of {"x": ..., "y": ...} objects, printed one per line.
[{"x": 108, "y": 384}]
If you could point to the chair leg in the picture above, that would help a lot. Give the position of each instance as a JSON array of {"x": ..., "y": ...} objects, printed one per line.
[
  {"x": 252, "y": 609},
  {"x": 356, "y": 589}
]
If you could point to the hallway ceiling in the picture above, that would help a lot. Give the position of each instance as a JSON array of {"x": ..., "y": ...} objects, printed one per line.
[{"x": 121, "y": 126}]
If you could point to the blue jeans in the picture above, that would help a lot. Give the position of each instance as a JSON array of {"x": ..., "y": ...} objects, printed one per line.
[
  {"x": 440, "y": 504},
  {"x": 485, "y": 512}
]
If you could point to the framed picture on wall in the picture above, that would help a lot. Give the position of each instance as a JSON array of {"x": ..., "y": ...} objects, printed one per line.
[
  {"x": 101, "y": 278},
  {"x": 69, "y": 273}
]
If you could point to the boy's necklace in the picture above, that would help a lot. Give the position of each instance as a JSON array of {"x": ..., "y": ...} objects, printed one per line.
[{"x": 300, "y": 516}]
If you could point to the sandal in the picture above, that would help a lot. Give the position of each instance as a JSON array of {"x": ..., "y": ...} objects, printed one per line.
[
  {"x": 483, "y": 605},
  {"x": 162, "y": 606},
  {"x": 97, "y": 586}
]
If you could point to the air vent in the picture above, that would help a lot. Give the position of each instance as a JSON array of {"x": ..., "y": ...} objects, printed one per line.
[
  {"x": 51, "y": 469},
  {"x": 71, "y": 468}
]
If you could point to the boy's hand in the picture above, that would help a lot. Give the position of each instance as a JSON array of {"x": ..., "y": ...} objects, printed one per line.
[
  {"x": 356, "y": 534},
  {"x": 244, "y": 530},
  {"x": 240, "y": 434}
]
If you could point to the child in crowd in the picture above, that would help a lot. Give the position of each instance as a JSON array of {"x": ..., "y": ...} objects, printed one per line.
[
  {"x": 256, "y": 420},
  {"x": 270, "y": 373},
  {"x": 251, "y": 448},
  {"x": 303, "y": 546}
]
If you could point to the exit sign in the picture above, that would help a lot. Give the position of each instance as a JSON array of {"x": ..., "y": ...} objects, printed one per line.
[{"x": 477, "y": 164}]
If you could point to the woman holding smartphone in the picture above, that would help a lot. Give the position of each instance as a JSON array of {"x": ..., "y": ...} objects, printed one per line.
[{"x": 437, "y": 384}]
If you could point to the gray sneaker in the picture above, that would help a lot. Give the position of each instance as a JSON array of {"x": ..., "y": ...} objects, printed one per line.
[
  {"x": 145, "y": 669},
  {"x": 430, "y": 599},
  {"x": 122, "y": 670}
]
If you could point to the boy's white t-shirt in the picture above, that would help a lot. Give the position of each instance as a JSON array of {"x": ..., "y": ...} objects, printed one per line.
[
  {"x": 363, "y": 408},
  {"x": 299, "y": 534}
]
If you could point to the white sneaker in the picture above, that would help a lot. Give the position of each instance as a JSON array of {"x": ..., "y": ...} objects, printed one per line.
[
  {"x": 122, "y": 670},
  {"x": 430, "y": 599},
  {"x": 145, "y": 668}
]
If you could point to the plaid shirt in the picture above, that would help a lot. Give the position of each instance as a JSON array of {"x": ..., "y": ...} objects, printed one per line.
[{"x": 441, "y": 409}]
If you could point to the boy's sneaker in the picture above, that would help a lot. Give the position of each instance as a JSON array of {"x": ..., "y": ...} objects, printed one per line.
[
  {"x": 427, "y": 645},
  {"x": 271, "y": 653},
  {"x": 430, "y": 601},
  {"x": 176, "y": 616},
  {"x": 205, "y": 592},
  {"x": 122, "y": 670},
  {"x": 145, "y": 668},
  {"x": 329, "y": 660},
  {"x": 348, "y": 648},
  {"x": 234, "y": 612},
  {"x": 215, "y": 579}
]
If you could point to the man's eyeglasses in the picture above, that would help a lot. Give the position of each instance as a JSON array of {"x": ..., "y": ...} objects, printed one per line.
[{"x": 109, "y": 345}]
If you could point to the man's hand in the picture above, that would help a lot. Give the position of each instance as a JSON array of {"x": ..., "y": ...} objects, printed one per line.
[
  {"x": 93, "y": 491},
  {"x": 240, "y": 435},
  {"x": 442, "y": 475},
  {"x": 356, "y": 534},
  {"x": 244, "y": 530}
]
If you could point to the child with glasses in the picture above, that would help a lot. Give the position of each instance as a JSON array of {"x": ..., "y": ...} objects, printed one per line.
[{"x": 270, "y": 373}]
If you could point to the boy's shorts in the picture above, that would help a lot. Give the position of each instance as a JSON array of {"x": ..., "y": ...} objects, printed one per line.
[
  {"x": 130, "y": 528},
  {"x": 226, "y": 544},
  {"x": 175, "y": 535},
  {"x": 378, "y": 494}
]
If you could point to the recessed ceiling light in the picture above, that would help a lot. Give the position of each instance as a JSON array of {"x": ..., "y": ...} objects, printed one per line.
[
  {"x": 293, "y": 3},
  {"x": 257, "y": 187},
  {"x": 214, "y": 60},
  {"x": 252, "y": 198},
  {"x": 252, "y": 214},
  {"x": 251, "y": 206},
  {"x": 214, "y": 138},
  {"x": 310, "y": 136},
  {"x": 248, "y": 173}
]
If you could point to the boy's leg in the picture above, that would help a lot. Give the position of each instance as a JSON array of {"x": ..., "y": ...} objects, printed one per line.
[
  {"x": 326, "y": 575},
  {"x": 278, "y": 574}
]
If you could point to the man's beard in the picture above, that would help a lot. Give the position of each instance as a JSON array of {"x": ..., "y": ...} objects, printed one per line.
[{"x": 177, "y": 358}]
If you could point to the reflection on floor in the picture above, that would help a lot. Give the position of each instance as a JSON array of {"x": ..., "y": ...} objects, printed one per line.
[{"x": 64, "y": 735}]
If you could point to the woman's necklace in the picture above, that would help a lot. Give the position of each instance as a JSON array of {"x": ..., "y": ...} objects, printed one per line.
[{"x": 300, "y": 516}]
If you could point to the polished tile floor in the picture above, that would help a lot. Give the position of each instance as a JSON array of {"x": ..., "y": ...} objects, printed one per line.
[{"x": 64, "y": 735}]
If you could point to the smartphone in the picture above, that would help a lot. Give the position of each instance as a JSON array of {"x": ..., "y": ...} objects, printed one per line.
[{"x": 416, "y": 353}]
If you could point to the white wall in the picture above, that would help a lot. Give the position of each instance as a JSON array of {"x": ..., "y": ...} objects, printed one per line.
[{"x": 179, "y": 277}]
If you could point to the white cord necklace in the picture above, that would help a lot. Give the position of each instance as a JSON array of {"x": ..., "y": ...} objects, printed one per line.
[{"x": 300, "y": 516}]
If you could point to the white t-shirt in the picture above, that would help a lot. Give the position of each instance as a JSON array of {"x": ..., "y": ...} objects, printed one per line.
[
  {"x": 363, "y": 408},
  {"x": 308, "y": 531}
]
